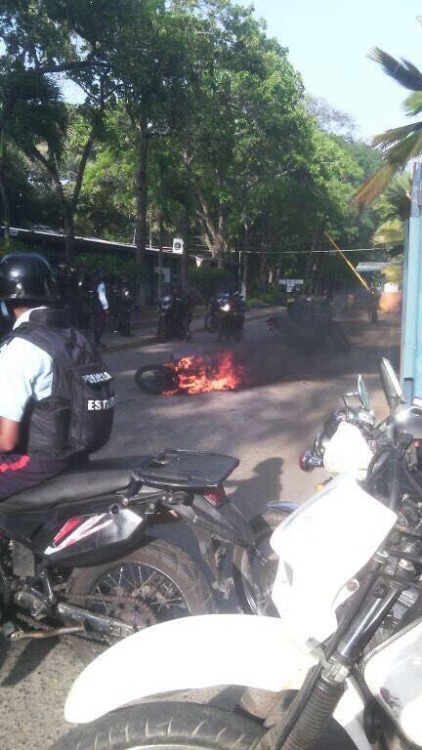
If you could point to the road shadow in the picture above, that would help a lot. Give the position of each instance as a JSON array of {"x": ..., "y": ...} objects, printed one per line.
[
  {"x": 266, "y": 481},
  {"x": 27, "y": 661}
]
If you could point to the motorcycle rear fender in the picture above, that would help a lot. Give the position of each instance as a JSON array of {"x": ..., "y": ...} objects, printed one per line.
[
  {"x": 200, "y": 652},
  {"x": 225, "y": 521}
]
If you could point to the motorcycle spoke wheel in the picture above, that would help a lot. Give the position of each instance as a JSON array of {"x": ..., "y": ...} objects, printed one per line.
[
  {"x": 155, "y": 379},
  {"x": 254, "y": 573},
  {"x": 156, "y": 583},
  {"x": 165, "y": 724}
]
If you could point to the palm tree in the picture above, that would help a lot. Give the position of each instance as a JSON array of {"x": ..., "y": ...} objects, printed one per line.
[
  {"x": 398, "y": 145},
  {"x": 32, "y": 118},
  {"x": 393, "y": 209}
]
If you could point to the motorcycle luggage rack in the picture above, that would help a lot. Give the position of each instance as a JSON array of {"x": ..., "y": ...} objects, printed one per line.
[{"x": 185, "y": 470}]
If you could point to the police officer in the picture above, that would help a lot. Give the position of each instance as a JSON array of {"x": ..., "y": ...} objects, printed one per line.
[
  {"x": 34, "y": 425},
  {"x": 101, "y": 308}
]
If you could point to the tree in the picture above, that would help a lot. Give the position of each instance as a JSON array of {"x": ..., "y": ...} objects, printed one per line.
[
  {"x": 393, "y": 209},
  {"x": 398, "y": 145},
  {"x": 42, "y": 41},
  {"x": 149, "y": 58},
  {"x": 32, "y": 118},
  {"x": 246, "y": 127},
  {"x": 330, "y": 119}
]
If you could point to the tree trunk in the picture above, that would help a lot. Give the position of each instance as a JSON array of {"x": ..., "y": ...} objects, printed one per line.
[
  {"x": 186, "y": 238},
  {"x": 311, "y": 258},
  {"x": 160, "y": 254},
  {"x": 141, "y": 197},
  {"x": 3, "y": 192},
  {"x": 69, "y": 231}
]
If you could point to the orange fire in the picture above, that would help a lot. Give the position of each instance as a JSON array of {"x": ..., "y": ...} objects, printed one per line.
[{"x": 197, "y": 374}]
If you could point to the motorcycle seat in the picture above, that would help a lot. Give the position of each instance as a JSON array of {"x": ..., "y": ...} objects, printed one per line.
[
  {"x": 169, "y": 470},
  {"x": 93, "y": 478}
]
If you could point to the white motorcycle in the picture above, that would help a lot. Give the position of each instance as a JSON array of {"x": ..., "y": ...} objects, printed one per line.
[{"x": 345, "y": 557}]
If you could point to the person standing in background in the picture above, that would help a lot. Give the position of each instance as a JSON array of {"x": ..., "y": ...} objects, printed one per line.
[{"x": 101, "y": 308}]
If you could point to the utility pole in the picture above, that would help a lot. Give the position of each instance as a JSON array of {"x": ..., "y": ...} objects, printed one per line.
[{"x": 411, "y": 335}]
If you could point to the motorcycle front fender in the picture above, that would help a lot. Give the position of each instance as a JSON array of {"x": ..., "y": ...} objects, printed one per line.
[{"x": 193, "y": 652}]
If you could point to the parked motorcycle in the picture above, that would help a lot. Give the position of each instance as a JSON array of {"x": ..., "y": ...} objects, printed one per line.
[
  {"x": 230, "y": 317},
  {"x": 78, "y": 553},
  {"x": 350, "y": 439},
  {"x": 211, "y": 315},
  {"x": 175, "y": 315},
  {"x": 358, "y": 414},
  {"x": 352, "y": 433},
  {"x": 345, "y": 556}
]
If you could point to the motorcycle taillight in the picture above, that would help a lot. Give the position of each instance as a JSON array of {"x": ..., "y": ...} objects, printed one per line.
[{"x": 216, "y": 497}]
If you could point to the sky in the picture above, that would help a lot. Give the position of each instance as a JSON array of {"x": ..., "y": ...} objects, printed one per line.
[{"x": 328, "y": 42}]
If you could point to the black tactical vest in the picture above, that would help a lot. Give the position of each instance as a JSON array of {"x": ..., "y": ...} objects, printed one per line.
[{"x": 78, "y": 416}]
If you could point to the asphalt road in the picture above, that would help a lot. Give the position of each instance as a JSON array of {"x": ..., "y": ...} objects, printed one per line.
[{"x": 266, "y": 423}]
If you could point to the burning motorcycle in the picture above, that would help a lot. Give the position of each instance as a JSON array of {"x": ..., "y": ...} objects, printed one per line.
[
  {"x": 78, "y": 553},
  {"x": 191, "y": 374},
  {"x": 319, "y": 686}
]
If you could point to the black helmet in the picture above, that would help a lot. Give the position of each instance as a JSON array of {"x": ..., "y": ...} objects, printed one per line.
[{"x": 26, "y": 278}]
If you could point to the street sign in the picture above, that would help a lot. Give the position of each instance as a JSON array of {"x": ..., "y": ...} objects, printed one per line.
[{"x": 291, "y": 284}]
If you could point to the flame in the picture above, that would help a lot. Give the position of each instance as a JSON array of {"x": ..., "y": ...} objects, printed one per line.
[{"x": 202, "y": 375}]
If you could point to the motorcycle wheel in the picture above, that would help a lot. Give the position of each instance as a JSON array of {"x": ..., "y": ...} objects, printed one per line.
[
  {"x": 156, "y": 379},
  {"x": 157, "y": 582},
  {"x": 160, "y": 725},
  {"x": 210, "y": 323},
  {"x": 254, "y": 575}
]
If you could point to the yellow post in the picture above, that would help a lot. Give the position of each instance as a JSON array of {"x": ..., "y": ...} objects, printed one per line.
[{"x": 361, "y": 279}]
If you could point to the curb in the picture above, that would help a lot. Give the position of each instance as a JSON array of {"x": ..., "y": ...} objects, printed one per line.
[{"x": 147, "y": 339}]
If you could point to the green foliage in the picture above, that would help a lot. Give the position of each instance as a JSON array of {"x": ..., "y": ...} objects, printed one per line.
[
  {"x": 111, "y": 265},
  {"x": 11, "y": 245},
  {"x": 272, "y": 296},
  {"x": 397, "y": 145},
  {"x": 194, "y": 124},
  {"x": 207, "y": 281}
]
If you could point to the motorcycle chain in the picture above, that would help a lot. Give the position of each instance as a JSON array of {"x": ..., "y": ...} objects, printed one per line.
[
  {"x": 121, "y": 599},
  {"x": 39, "y": 625},
  {"x": 128, "y": 600}
]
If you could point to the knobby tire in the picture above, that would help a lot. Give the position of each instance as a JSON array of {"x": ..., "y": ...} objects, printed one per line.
[
  {"x": 156, "y": 379},
  {"x": 252, "y": 577},
  {"x": 159, "y": 725},
  {"x": 167, "y": 583}
]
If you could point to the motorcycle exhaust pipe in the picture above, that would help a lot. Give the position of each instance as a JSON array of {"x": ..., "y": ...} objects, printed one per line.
[{"x": 94, "y": 623}]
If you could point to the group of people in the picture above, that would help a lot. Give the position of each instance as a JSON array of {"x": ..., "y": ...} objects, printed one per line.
[
  {"x": 92, "y": 297},
  {"x": 50, "y": 318}
]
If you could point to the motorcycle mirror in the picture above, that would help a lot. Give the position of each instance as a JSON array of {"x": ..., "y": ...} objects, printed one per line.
[
  {"x": 390, "y": 384},
  {"x": 363, "y": 393}
]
